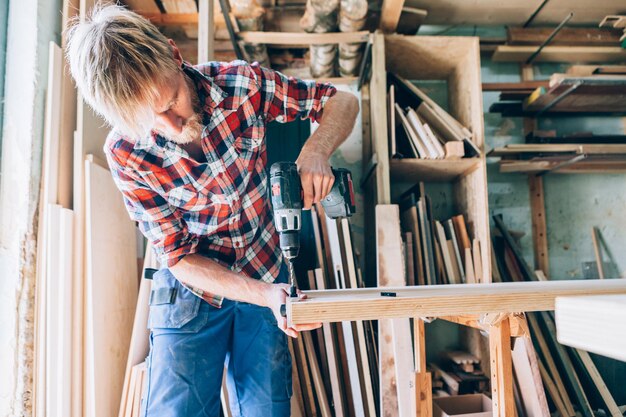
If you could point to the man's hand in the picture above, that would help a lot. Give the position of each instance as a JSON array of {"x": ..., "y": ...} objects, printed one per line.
[
  {"x": 276, "y": 296},
  {"x": 316, "y": 176}
]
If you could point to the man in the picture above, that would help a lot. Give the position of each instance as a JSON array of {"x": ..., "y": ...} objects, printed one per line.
[{"x": 187, "y": 151}]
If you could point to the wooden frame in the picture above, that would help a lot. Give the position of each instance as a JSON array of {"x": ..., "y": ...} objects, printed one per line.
[{"x": 441, "y": 300}]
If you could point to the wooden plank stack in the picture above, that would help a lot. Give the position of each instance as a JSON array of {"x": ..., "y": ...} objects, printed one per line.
[
  {"x": 562, "y": 369},
  {"x": 335, "y": 367}
]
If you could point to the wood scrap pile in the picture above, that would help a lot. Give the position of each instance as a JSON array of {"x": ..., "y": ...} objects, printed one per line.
[
  {"x": 582, "y": 89},
  {"x": 420, "y": 128},
  {"x": 335, "y": 368},
  {"x": 458, "y": 373},
  {"x": 561, "y": 158},
  {"x": 437, "y": 252},
  {"x": 567, "y": 374}
]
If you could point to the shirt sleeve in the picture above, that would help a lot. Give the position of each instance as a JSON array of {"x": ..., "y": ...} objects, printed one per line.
[
  {"x": 160, "y": 223},
  {"x": 286, "y": 98}
]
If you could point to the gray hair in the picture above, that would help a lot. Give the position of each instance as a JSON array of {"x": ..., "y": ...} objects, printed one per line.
[{"x": 119, "y": 60}]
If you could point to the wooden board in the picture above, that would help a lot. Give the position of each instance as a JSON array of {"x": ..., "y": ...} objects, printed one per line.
[
  {"x": 575, "y": 54},
  {"x": 501, "y": 369},
  {"x": 316, "y": 375},
  {"x": 404, "y": 367},
  {"x": 339, "y": 269},
  {"x": 441, "y": 300},
  {"x": 567, "y": 36},
  {"x": 592, "y": 323},
  {"x": 390, "y": 15},
  {"x": 390, "y": 272},
  {"x": 337, "y": 397},
  {"x": 111, "y": 291},
  {"x": 140, "y": 336},
  {"x": 351, "y": 281},
  {"x": 528, "y": 377}
]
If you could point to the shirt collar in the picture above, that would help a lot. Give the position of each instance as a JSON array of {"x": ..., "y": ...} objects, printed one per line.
[{"x": 209, "y": 93}]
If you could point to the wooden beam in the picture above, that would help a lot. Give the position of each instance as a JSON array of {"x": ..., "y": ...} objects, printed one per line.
[
  {"x": 303, "y": 38},
  {"x": 539, "y": 227},
  {"x": 423, "y": 379},
  {"x": 579, "y": 149},
  {"x": 501, "y": 369},
  {"x": 593, "y": 324},
  {"x": 441, "y": 300},
  {"x": 390, "y": 15},
  {"x": 575, "y": 54}
]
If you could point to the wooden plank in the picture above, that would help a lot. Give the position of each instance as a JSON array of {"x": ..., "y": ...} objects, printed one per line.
[
  {"x": 316, "y": 375},
  {"x": 552, "y": 391},
  {"x": 303, "y": 38},
  {"x": 390, "y": 15},
  {"x": 511, "y": 150},
  {"x": 524, "y": 85},
  {"x": 47, "y": 200},
  {"x": 574, "y": 54},
  {"x": 567, "y": 36},
  {"x": 539, "y": 227},
  {"x": 111, "y": 275},
  {"x": 528, "y": 377},
  {"x": 297, "y": 404},
  {"x": 595, "y": 376},
  {"x": 390, "y": 272},
  {"x": 597, "y": 253},
  {"x": 368, "y": 393},
  {"x": 410, "y": 221},
  {"x": 64, "y": 304},
  {"x": 339, "y": 268},
  {"x": 592, "y": 324},
  {"x": 140, "y": 336},
  {"x": 337, "y": 397},
  {"x": 423, "y": 380},
  {"x": 305, "y": 378},
  {"x": 404, "y": 367},
  {"x": 440, "y": 300},
  {"x": 501, "y": 369}
]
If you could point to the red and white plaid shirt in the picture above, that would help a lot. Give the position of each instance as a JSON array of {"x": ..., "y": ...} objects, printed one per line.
[{"x": 219, "y": 208}]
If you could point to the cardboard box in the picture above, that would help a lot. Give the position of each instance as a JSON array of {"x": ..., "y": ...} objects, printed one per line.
[{"x": 472, "y": 405}]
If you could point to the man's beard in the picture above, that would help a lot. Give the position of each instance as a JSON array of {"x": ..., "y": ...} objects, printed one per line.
[{"x": 192, "y": 129}]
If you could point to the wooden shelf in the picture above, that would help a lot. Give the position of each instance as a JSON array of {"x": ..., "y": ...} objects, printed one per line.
[{"x": 428, "y": 170}]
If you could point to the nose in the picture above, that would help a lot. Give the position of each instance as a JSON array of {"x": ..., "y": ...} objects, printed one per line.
[{"x": 171, "y": 121}]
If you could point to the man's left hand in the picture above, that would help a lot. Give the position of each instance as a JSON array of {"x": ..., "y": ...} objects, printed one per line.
[{"x": 316, "y": 177}]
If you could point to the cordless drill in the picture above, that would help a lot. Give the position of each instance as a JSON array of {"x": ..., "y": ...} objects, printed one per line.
[{"x": 287, "y": 202}]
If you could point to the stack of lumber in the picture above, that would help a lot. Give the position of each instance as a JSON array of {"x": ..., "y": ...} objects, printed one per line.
[
  {"x": 437, "y": 252},
  {"x": 87, "y": 281},
  {"x": 335, "y": 367},
  {"x": 561, "y": 158},
  {"x": 582, "y": 89},
  {"x": 571, "y": 44},
  {"x": 420, "y": 128},
  {"x": 564, "y": 371}
]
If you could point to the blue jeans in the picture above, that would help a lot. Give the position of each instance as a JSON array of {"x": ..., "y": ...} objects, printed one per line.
[{"x": 191, "y": 342}]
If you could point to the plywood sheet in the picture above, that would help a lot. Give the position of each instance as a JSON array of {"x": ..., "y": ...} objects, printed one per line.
[{"x": 111, "y": 291}]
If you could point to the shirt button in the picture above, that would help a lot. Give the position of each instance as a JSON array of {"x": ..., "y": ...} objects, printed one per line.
[{"x": 237, "y": 244}]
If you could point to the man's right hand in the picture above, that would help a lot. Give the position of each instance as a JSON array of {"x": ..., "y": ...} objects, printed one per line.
[{"x": 276, "y": 296}]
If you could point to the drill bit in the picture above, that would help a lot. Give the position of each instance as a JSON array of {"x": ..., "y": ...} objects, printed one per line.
[{"x": 292, "y": 278}]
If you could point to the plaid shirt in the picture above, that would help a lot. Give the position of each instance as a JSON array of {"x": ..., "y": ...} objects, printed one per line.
[{"x": 219, "y": 208}]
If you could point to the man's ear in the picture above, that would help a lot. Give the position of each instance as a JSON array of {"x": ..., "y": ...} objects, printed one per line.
[{"x": 176, "y": 53}]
